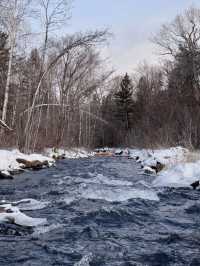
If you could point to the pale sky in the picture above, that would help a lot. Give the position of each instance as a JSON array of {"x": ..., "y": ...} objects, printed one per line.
[{"x": 131, "y": 21}]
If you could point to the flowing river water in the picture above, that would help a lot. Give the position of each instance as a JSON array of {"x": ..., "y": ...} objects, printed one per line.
[{"x": 101, "y": 211}]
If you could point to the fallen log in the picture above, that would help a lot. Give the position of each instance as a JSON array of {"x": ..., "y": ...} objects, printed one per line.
[{"x": 34, "y": 165}]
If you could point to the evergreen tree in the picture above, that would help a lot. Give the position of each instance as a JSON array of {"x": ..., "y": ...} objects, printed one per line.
[{"x": 124, "y": 103}]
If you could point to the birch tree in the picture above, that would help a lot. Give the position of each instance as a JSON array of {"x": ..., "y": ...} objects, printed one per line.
[{"x": 13, "y": 14}]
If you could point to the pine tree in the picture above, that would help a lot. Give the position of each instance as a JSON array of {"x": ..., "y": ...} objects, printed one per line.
[{"x": 124, "y": 103}]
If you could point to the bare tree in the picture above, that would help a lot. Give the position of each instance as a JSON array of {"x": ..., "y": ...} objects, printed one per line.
[
  {"x": 53, "y": 15},
  {"x": 183, "y": 33},
  {"x": 71, "y": 43}
]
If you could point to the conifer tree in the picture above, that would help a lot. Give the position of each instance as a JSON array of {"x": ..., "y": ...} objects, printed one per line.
[{"x": 124, "y": 103}]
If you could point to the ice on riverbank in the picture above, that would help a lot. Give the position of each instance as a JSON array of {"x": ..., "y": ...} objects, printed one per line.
[{"x": 11, "y": 214}]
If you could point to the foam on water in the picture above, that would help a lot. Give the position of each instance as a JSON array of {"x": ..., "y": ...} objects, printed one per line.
[
  {"x": 69, "y": 199},
  {"x": 45, "y": 229},
  {"x": 101, "y": 179},
  {"x": 105, "y": 188},
  {"x": 118, "y": 194},
  {"x": 27, "y": 204},
  {"x": 95, "y": 179},
  {"x": 85, "y": 261}
]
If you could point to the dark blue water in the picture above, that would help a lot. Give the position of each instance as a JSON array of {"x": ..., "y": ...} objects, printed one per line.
[{"x": 102, "y": 212}]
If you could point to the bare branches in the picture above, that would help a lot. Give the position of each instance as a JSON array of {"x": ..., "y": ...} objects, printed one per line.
[
  {"x": 54, "y": 13},
  {"x": 4, "y": 125},
  {"x": 184, "y": 31}
]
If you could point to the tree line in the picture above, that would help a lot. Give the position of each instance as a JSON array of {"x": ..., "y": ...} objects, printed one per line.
[
  {"x": 57, "y": 91},
  {"x": 160, "y": 105}
]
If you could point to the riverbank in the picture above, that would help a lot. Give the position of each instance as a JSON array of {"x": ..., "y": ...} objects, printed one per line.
[
  {"x": 174, "y": 167},
  {"x": 13, "y": 161},
  {"x": 179, "y": 167}
]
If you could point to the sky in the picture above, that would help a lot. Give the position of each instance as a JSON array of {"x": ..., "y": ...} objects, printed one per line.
[{"x": 132, "y": 23}]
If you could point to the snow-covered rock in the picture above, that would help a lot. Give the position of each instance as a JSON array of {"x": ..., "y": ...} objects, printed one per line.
[
  {"x": 9, "y": 164},
  {"x": 168, "y": 156},
  {"x": 10, "y": 214},
  {"x": 5, "y": 175},
  {"x": 149, "y": 170},
  {"x": 159, "y": 158},
  {"x": 181, "y": 175}
]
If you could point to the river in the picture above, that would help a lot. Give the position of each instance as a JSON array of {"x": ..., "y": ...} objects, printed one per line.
[{"x": 101, "y": 212}]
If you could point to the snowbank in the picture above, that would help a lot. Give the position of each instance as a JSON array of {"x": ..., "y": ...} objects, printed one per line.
[
  {"x": 8, "y": 159},
  {"x": 10, "y": 214},
  {"x": 168, "y": 157},
  {"x": 181, "y": 175},
  {"x": 75, "y": 153},
  {"x": 177, "y": 171}
]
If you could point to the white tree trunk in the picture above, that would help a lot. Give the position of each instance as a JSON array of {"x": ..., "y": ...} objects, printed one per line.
[{"x": 6, "y": 95}]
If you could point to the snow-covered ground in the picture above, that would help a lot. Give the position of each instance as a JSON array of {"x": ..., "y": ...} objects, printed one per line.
[
  {"x": 168, "y": 157},
  {"x": 180, "y": 175},
  {"x": 75, "y": 153},
  {"x": 178, "y": 170},
  {"x": 8, "y": 159}
]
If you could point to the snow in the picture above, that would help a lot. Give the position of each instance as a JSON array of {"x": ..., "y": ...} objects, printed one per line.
[
  {"x": 14, "y": 215},
  {"x": 181, "y": 175},
  {"x": 168, "y": 157},
  {"x": 8, "y": 159},
  {"x": 76, "y": 153},
  {"x": 149, "y": 170},
  {"x": 177, "y": 172}
]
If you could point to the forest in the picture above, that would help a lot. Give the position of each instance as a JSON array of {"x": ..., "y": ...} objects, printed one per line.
[{"x": 57, "y": 90}]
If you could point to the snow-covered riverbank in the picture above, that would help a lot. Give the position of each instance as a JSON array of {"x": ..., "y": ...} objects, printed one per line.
[
  {"x": 176, "y": 172},
  {"x": 175, "y": 165},
  {"x": 181, "y": 167},
  {"x": 76, "y": 153},
  {"x": 12, "y": 161}
]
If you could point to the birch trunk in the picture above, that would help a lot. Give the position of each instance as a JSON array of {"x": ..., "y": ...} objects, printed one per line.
[{"x": 6, "y": 95}]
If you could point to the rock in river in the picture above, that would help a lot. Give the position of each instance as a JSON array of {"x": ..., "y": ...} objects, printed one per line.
[{"x": 35, "y": 165}]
